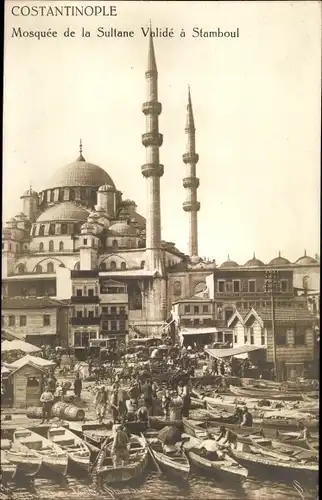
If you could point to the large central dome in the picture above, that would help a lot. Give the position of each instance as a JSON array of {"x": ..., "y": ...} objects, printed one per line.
[{"x": 80, "y": 173}]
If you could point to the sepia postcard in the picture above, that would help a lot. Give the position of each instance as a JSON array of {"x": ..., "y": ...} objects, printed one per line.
[{"x": 160, "y": 325}]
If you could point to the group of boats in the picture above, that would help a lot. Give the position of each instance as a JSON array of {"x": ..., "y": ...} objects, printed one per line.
[{"x": 271, "y": 443}]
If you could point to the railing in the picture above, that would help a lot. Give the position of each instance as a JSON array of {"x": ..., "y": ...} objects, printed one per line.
[
  {"x": 85, "y": 299},
  {"x": 86, "y": 321}
]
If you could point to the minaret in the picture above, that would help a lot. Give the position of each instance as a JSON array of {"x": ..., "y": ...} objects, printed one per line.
[
  {"x": 191, "y": 182},
  {"x": 152, "y": 170}
]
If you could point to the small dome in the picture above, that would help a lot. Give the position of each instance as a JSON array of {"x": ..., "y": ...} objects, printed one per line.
[
  {"x": 12, "y": 223},
  {"x": 129, "y": 203},
  {"x": 30, "y": 193},
  {"x": 279, "y": 261},
  {"x": 228, "y": 263},
  {"x": 122, "y": 228},
  {"x": 195, "y": 259},
  {"x": 21, "y": 216},
  {"x": 306, "y": 260},
  {"x": 106, "y": 188},
  {"x": 80, "y": 173},
  {"x": 67, "y": 211},
  {"x": 254, "y": 262}
]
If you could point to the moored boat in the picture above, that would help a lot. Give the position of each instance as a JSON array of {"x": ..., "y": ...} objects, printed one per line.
[
  {"x": 53, "y": 457},
  {"x": 222, "y": 467},
  {"x": 77, "y": 450},
  {"x": 158, "y": 423},
  {"x": 267, "y": 393},
  {"x": 138, "y": 460},
  {"x": 28, "y": 462},
  {"x": 280, "y": 449},
  {"x": 174, "y": 462},
  {"x": 8, "y": 469},
  {"x": 257, "y": 458}
]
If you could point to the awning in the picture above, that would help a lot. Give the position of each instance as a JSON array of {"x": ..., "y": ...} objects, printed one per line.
[
  {"x": 234, "y": 351},
  {"x": 198, "y": 331},
  {"x": 18, "y": 345}
]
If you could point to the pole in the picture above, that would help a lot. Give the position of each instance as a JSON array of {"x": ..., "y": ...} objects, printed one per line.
[{"x": 273, "y": 334}]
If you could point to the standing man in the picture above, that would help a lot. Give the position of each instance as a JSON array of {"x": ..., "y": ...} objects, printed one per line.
[
  {"x": 100, "y": 402},
  {"x": 47, "y": 399},
  {"x": 77, "y": 386}
]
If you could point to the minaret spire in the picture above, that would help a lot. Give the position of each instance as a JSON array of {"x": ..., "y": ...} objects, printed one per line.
[
  {"x": 81, "y": 157},
  {"x": 191, "y": 181},
  {"x": 152, "y": 170}
]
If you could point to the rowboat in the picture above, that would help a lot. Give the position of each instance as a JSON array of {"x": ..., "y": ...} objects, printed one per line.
[
  {"x": 267, "y": 393},
  {"x": 196, "y": 403},
  {"x": 175, "y": 464},
  {"x": 78, "y": 452},
  {"x": 271, "y": 384},
  {"x": 28, "y": 462},
  {"x": 97, "y": 436},
  {"x": 309, "y": 397},
  {"x": 158, "y": 423},
  {"x": 53, "y": 457},
  {"x": 280, "y": 449},
  {"x": 8, "y": 469},
  {"x": 138, "y": 461},
  {"x": 255, "y": 457},
  {"x": 224, "y": 467}
]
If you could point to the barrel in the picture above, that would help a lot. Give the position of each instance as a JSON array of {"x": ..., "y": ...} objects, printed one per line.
[
  {"x": 34, "y": 412},
  {"x": 58, "y": 409},
  {"x": 72, "y": 413}
]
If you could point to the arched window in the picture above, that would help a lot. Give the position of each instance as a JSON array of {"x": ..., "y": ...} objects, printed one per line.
[
  {"x": 21, "y": 269},
  {"x": 306, "y": 282},
  {"x": 103, "y": 266},
  {"x": 77, "y": 266},
  {"x": 41, "y": 247},
  {"x": 52, "y": 195},
  {"x": 130, "y": 243},
  {"x": 123, "y": 266},
  {"x": 42, "y": 230},
  {"x": 113, "y": 265},
  {"x": 51, "y": 246},
  {"x": 114, "y": 244},
  {"x": 51, "y": 229},
  {"x": 34, "y": 230},
  {"x": 50, "y": 267},
  {"x": 61, "y": 246},
  {"x": 63, "y": 229},
  {"x": 142, "y": 264},
  {"x": 38, "y": 269},
  {"x": 177, "y": 288}
]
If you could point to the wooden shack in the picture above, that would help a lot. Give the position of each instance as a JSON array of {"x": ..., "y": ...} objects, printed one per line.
[{"x": 27, "y": 382}]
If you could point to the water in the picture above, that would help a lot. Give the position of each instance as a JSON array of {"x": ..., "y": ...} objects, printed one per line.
[{"x": 152, "y": 486}]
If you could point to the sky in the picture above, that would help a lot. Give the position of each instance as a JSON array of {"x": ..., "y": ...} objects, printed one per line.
[{"x": 256, "y": 103}]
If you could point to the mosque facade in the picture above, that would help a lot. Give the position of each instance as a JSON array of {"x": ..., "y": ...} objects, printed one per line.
[{"x": 78, "y": 240}]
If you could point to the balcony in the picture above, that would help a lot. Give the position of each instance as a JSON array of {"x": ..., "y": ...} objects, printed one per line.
[
  {"x": 85, "y": 299},
  {"x": 120, "y": 316},
  {"x": 86, "y": 321}
]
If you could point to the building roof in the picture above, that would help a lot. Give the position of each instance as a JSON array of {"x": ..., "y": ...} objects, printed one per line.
[
  {"x": 122, "y": 228},
  {"x": 306, "y": 260},
  {"x": 80, "y": 173},
  {"x": 279, "y": 261},
  {"x": 283, "y": 314},
  {"x": 228, "y": 263},
  {"x": 254, "y": 262},
  {"x": 31, "y": 303},
  {"x": 233, "y": 351},
  {"x": 39, "y": 362},
  {"x": 66, "y": 211}
]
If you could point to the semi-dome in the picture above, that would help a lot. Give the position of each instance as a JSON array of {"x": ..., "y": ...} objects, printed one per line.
[
  {"x": 80, "y": 173},
  {"x": 306, "y": 260},
  {"x": 64, "y": 211},
  {"x": 254, "y": 262},
  {"x": 228, "y": 263},
  {"x": 279, "y": 261},
  {"x": 106, "y": 188},
  {"x": 122, "y": 228}
]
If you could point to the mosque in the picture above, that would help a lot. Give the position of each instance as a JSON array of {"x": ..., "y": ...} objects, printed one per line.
[{"x": 81, "y": 230}]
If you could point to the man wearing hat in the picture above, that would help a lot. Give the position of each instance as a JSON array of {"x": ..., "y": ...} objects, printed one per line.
[
  {"x": 100, "y": 402},
  {"x": 247, "y": 420},
  {"x": 47, "y": 399}
]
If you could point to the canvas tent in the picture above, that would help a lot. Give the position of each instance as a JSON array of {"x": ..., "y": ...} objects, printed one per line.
[
  {"x": 40, "y": 362},
  {"x": 234, "y": 351},
  {"x": 18, "y": 345}
]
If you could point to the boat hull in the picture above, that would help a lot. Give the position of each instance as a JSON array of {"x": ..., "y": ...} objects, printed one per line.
[
  {"x": 219, "y": 469},
  {"x": 172, "y": 467},
  {"x": 57, "y": 465},
  {"x": 28, "y": 466}
]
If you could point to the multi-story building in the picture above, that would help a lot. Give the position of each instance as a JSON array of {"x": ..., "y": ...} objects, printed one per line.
[{"x": 40, "y": 321}]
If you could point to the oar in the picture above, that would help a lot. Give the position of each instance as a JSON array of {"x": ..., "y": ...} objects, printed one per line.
[{"x": 156, "y": 465}]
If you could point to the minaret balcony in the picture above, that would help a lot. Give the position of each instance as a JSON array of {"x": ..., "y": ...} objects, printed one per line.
[
  {"x": 191, "y": 206},
  {"x": 191, "y": 182},
  {"x": 152, "y": 170},
  {"x": 190, "y": 158},
  {"x": 152, "y": 139},
  {"x": 152, "y": 108}
]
